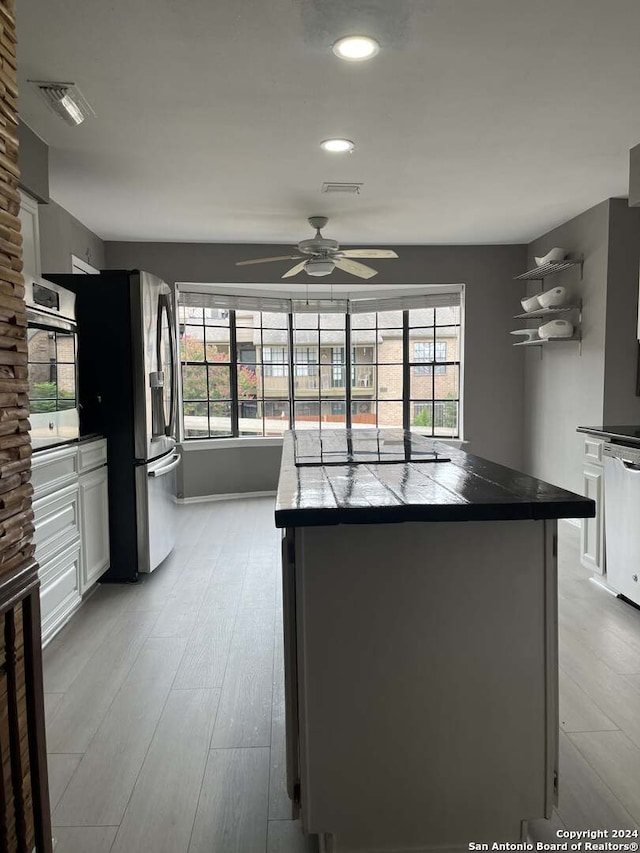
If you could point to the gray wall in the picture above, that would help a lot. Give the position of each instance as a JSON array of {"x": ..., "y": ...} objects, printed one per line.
[
  {"x": 634, "y": 176},
  {"x": 493, "y": 379},
  {"x": 62, "y": 235},
  {"x": 621, "y": 406},
  {"x": 33, "y": 160},
  {"x": 565, "y": 388}
]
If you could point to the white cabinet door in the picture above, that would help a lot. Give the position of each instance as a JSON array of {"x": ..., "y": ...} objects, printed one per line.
[
  {"x": 94, "y": 526},
  {"x": 30, "y": 236},
  {"x": 592, "y": 540}
]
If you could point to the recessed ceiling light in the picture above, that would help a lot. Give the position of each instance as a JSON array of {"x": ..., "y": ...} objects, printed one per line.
[
  {"x": 356, "y": 48},
  {"x": 338, "y": 145}
]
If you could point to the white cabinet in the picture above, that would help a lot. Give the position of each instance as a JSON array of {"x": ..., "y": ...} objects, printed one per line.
[
  {"x": 30, "y": 236},
  {"x": 71, "y": 507},
  {"x": 94, "y": 513},
  {"x": 592, "y": 550}
]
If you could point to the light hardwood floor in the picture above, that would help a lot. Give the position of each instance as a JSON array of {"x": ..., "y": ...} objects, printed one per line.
[{"x": 165, "y": 701}]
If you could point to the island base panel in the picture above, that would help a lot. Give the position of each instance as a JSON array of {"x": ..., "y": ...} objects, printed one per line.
[{"x": 421, "y": 681}]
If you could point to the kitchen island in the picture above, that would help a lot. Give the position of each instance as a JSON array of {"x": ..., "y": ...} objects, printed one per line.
[{"x": 420, "y": 623}]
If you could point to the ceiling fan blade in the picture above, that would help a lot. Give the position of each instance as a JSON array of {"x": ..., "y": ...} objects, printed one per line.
[
  {"x": 368, "y": 253},
  {"x": 295, "y": 270},
  {"x": 265, "y": 260},
  {"x": 355, "y": 268}
]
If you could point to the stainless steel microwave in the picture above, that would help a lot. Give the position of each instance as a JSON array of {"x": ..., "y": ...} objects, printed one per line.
[{"x": 52, "y": 344}]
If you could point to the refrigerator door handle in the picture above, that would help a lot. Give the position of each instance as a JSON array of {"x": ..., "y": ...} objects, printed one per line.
[{"x": 165, "y": 469}]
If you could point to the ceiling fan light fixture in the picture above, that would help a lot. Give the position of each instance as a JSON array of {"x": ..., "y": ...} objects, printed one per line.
[
  {"x": 318, "y": 267},
  {"x": 337, "y": 146},
  {"x": 356, "y": 48}
]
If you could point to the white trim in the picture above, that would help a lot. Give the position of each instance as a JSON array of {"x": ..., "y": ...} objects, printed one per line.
[
  {"x": 233, "y": 496},
  {"x": 226, "y": 443},
  {"x": 84, "y": 267},
  {"x": 574, "y": 522},
  {"x": 598, "y": 581}
]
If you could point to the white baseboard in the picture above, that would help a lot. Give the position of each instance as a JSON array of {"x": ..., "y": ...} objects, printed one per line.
[{"x": 233, "y": 496}]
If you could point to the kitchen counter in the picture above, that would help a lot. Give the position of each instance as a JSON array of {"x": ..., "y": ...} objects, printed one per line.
[
  {"x": 421, "y": 667},
  {"x": 39, "y": 446},
  {"x": 372, "y": 476},
  {"x": 629, "y": 434}
]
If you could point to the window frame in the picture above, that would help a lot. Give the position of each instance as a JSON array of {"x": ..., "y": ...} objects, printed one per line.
[{"x": 293, "y": 367}]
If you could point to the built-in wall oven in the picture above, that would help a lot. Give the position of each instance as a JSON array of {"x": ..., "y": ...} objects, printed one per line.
[{"x": 52, "y": 345}]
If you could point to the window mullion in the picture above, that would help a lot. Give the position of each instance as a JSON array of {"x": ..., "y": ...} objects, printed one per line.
[
  {"x": 406, "y": 371},
  {"x": 347, "y": 362},
  {"x": 233, "y": 369},
  {"x": 292, "y": 407}
]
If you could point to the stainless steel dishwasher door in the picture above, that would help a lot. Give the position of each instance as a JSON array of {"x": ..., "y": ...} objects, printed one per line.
[{"x": 157, "y": 510}]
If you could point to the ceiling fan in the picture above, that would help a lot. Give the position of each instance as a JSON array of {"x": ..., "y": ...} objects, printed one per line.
[{"x": 319, "y": 256}]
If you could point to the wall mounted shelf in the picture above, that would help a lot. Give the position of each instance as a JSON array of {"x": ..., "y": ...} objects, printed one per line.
[
  {"x": 539, "y": 273},
  {"x": 547, "y": 312},
  {"x": 542, "y": 341}
]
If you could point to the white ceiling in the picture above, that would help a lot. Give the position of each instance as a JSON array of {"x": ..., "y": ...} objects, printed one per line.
[{"x": 479, "y": 122}]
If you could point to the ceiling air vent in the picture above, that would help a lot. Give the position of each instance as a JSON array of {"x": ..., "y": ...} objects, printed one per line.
[
  {"x": 332, "y": 187},
  {"x": 65, "y": 99}
]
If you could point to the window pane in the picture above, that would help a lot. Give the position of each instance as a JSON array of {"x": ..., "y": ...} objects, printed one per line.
[
  {"x": 363, "y": 352},
  {"x": 216, "y": 316},
  {"x": 66, "y": 382},
  {"x": 249, "y": 381},
  {"x": 334, "y": 414},
  {"x": 196, "y": 424},
  {"x": 306, "y": 380},
  {"x": 390, "y": 346},
  {"x": 333, "y": 321},
  {"x": 217, "y": 352},
  {"x": 390, "y": 381},
  {"x": 421, "y": 317},
  {"x": 333, "y": 377},
  {"x": 363, "y": 321},
  {"x": 421, "y": 412},
  {"x": 276, "y": 417},
  {"x": 363, "y": 377},
  {"x": 194, "y": 382},
  {"x": 65, "y": 350},
  {"x": 447, "y": 381},
  {"x": 274, "y": 321},
  {"x": 220, "y": 418},
  {"x": 188, "y": 314},
  {"x": 363, "y": 413},
  {"x": 191, "y": 344},
  {"x": 390, "y": 320},
  {"x": 445, "y": 417},
  {"x": 250, "y": 417},
  {"x": 247, "y": 319},
  {"x": 305, "y": 321},
  {"x": 307, "y": 415},
  {"x": 331, "y": 340},
  {"x": 219, "y": 383},
  {"x": 390, "y": 414},
  {"x": 445, "y": 316}
]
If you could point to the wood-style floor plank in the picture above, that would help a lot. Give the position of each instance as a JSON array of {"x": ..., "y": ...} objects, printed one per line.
[
  {"x": 84, "y": 839},
  {"x": 585, "y": 801},
  {"x": 171, "y": 777},
  {"x": 205, "y": 659},
  {"x": 577, "y": 711},
  {"x": 100, "y": 789},
  {"x": 244, "y": 715},
  {"x": 61, "y": 769},
  {"x": 83, "y": 707},
  {"x": 617, "y": 761},
  {"x": 232, "y": 813}
]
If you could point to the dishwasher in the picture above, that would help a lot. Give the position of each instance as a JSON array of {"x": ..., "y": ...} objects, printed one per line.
[{"x": 622, "y": 519}]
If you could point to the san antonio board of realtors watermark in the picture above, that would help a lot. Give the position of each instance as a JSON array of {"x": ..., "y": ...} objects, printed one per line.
[{"x": 583, "y": 840}]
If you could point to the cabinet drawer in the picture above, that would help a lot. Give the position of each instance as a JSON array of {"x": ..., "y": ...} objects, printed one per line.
[
  {"x": 593, "y": 449},
  {"x": 92, "y": 455},
  {"x": 56, "y": 521},
  {"x": 52, "y": 469},
  {"x": 59, "y": 594}
]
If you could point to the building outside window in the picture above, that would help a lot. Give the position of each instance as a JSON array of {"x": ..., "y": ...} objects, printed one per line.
[{"x": 240, "y": 377}]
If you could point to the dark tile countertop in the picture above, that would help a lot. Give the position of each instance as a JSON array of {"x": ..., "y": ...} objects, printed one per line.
[
  {"x": 369, "y": 476},
  {"x": 629, "y": 434}
]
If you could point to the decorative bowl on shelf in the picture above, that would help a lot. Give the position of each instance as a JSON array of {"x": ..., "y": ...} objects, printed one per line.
[
  {"x": 530, "y": 303},
  {"x": 553, "y": 298},
  {"x": 556, "y": 329},
  {"x": 553, "y": 257},
  {"x": 529, "y": 334}
]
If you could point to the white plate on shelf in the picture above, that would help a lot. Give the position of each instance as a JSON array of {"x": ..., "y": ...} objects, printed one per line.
[{"x": 529, "y": 334}]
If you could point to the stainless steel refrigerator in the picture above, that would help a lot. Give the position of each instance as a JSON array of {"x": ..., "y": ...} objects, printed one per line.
[{"x": 127, "y": 390}]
